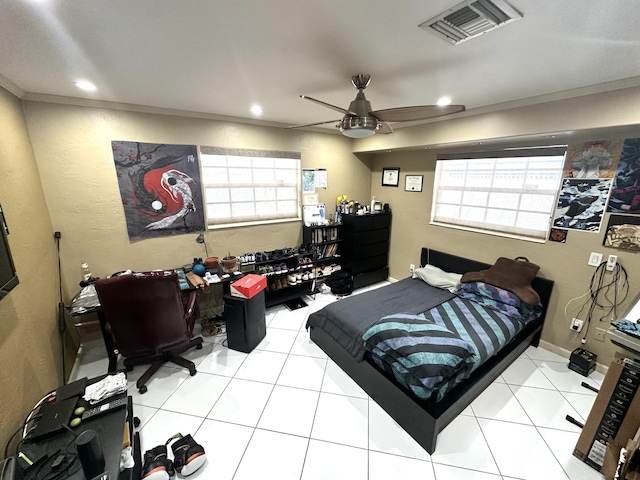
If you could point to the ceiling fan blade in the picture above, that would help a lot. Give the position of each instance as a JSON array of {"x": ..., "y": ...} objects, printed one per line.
[
  {"x": 328, "y": 105},
  {"x": 313, "y": 124},
  {"x": 384, "y": 129},
  {"x": 408, "y": 114}
]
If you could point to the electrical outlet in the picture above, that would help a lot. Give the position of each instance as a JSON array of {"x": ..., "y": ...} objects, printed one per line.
[
  {"x": 595, "y": 259},
  {"x": 577, "y": 324},
  {"x": 599, "y": 335},
  {"x": 412, "y": 268},
  {"x": 611, "y": 262}
]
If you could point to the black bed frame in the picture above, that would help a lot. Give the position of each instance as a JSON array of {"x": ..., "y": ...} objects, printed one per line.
[{"x": 423, "y": 420}]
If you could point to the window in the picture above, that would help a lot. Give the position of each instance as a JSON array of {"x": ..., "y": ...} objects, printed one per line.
[
  {"x": 244, "y": 187},
  {"x": 511, "y": 193}
]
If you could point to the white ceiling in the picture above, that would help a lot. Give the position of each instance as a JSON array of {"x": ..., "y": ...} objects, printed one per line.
[{"x": 220, "y": 57}]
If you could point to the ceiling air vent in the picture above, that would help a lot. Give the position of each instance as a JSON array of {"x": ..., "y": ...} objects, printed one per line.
[{"x": 470, "y": 19}]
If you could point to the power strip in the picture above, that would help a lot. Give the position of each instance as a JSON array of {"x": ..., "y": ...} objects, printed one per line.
[{"x": 107, "y": 407}]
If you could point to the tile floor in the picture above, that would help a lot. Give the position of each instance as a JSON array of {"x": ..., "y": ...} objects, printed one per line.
[{"x": 285, "y": 411}]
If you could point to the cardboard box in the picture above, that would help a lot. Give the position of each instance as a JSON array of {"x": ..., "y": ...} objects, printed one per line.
[
  {"x": 248, "y": 286},
  {"x": 582, "y": 361},
  {"x": 615, "y": 415}
]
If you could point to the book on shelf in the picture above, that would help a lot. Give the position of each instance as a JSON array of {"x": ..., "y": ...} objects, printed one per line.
[{"x": 329, "y": 251}]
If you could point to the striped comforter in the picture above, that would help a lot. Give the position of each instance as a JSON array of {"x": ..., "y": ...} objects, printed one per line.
[{"x": 431, "y": 353}]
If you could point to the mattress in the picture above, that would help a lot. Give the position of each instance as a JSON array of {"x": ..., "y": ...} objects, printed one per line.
[
  {"x": 475, "y": 334},
  {"x": 443, "y": 339},
  {"x": 347, "y": 319}
]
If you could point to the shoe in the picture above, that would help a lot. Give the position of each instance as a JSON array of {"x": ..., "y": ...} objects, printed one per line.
[
  {"x": 156, "y": 464},
  {"x": 291, "y": 279},
  {"x": 188, "y": 455}
]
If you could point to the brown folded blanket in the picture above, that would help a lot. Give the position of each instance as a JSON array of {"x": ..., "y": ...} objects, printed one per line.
[
  {"x": 197, "y": 281},
  {"x": 514, "y": 275}
]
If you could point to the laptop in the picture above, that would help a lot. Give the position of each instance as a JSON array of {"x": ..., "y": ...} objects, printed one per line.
[{"x": 53, "y": 418}]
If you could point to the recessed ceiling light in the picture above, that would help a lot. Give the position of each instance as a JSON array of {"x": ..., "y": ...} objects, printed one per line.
[
  {"x": 257, "y": 110},
  {"x": 444, "y": 101},
  {"x": 84, "y": 85}
]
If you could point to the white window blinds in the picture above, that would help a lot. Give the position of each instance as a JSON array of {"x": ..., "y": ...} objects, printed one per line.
[
  {"x": 244, "y": 186},
  {"x": 511, "y": 192}
]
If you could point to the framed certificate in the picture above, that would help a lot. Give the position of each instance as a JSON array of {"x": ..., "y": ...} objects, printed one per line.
[
  {"x": 390, "y": 177},
  {"x": 413, "y": 183}
]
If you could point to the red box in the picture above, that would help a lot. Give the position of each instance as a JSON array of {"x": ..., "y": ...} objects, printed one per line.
[{"x": 248, "y": 286}]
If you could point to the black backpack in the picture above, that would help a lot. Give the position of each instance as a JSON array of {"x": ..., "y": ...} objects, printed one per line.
[{"x": 340, "y": 282}]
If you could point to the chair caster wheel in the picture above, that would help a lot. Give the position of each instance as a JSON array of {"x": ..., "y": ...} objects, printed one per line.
[
  {"x": 136, "y": 422},
  {"x": 142, "y": 389},
  {"x": 199, "y": 346},
  {"x": 129, "y": 368}
]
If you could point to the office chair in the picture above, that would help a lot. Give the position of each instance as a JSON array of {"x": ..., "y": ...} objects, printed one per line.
[{"x": 149, "y": 320}]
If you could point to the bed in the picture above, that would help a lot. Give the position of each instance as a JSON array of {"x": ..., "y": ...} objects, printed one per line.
[{"x": 338, "y": 330}]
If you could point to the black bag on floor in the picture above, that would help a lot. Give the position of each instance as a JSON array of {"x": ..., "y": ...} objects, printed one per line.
[{"x": 340, "y": 282}]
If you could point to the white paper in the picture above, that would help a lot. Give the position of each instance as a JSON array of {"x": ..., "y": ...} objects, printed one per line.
[{"x": 321, "y": 178}]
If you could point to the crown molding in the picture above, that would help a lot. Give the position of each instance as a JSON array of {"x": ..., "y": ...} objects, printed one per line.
[{"x": 11, "y": 87}]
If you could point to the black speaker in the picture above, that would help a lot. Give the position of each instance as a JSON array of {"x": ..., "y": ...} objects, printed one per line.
[
  {"x": 90, "y": 453},
  {"x": 10, "y": 470}
]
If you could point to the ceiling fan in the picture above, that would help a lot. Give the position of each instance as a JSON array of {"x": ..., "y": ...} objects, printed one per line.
[{"x": 360, "y": 122}]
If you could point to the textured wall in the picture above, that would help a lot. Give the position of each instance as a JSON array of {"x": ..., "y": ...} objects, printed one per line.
[
  {"x": 30, "y": 349},
  {"x": 71, "y": 187},
  {"x": 72, "y": 145},
  {"x": 566, "y": 263}
]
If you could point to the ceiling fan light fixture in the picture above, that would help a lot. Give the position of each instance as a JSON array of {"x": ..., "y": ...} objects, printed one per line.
[
  {"x": 360, "y": 121},
  {"x": 358, "y": 127}
]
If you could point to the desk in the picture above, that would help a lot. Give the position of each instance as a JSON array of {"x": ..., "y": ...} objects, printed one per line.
[
  {"x": 110, "y": 429},
  {"x": 624, "y": 340},
  {"x": 86, "y": 302}
]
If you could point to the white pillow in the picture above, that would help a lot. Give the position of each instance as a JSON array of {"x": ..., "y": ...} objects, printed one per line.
[{"x": 437, "y": 277}]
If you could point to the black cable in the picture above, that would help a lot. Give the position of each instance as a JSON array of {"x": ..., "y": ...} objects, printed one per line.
[
  {"x": 612, "y": 305},
  {"x": 600, "y": 292},
  {"x": 24, "y": 423},
  {"x": 61, "y": 319},
  {"x": 6, "y": 447}
]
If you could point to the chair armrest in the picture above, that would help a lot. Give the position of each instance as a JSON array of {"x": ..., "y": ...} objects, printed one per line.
[{"x": 190, "y": 303}]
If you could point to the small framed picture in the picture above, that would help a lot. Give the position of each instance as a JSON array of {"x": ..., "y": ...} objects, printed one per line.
[
  {"x": 413, "y": 183},
  {"x": 390, "y": 177}
]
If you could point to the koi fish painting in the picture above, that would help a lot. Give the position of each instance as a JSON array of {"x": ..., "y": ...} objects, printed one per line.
[{"x": 160, "y": 188}]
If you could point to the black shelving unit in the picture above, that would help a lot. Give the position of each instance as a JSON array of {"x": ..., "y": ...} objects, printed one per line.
[
  {"x": 325, "y": 240},
  {"x": 278, "y": 288},
  {"x": 365, "y": 247}
]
